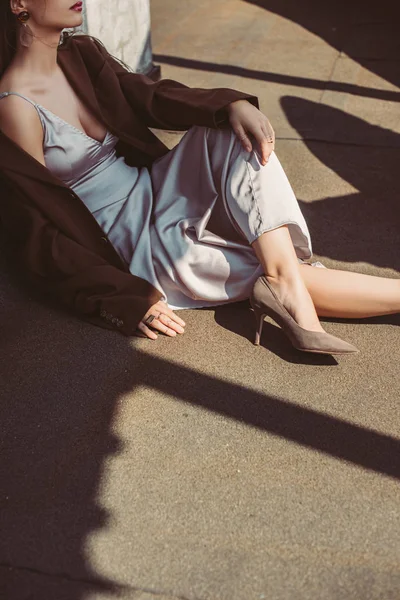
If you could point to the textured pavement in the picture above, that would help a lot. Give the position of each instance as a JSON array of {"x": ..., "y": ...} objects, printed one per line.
[{"x": 204, "y": 468}]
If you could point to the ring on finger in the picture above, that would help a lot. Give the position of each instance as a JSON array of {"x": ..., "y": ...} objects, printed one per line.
[{"x": 151, "y": 318}]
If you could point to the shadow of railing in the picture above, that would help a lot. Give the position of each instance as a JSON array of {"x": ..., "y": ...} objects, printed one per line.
[
  {"x": 367, "y": 32},
  {"x": 292, "y": 80},
  {"x": 306, "y": 427},
  {"x": 360, "y": 226}
]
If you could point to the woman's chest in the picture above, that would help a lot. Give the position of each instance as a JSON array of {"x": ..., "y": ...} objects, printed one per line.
[{"x": 57, "y": 95}]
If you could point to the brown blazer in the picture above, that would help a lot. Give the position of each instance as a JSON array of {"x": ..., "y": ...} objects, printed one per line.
[{"x": 52, "y": 233}]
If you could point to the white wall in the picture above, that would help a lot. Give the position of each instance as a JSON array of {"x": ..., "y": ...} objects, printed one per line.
[{"x": 124, "y": 28}]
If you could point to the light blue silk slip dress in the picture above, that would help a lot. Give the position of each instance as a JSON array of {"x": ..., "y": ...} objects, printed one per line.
[{"x": 157, "y": 218}]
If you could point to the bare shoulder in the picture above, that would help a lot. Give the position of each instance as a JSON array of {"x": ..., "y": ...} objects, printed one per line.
[{"x": 20, "y": 121}]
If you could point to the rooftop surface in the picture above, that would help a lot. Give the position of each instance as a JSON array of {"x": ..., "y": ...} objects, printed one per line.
[{"x": 204, "y": 468}]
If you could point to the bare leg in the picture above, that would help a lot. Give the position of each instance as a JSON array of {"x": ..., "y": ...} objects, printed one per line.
[
  {"x": 348, "y": 295},
  {"x": 275, "y": 251}
]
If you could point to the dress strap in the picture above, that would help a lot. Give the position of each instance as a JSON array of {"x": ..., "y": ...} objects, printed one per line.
[{"x": 5, "y": 94}]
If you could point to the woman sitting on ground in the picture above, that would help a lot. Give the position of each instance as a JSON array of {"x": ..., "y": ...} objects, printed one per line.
[{"x": 125, "y": 231}]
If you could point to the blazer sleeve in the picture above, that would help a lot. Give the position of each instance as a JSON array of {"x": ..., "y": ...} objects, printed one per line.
[
  {"x": 167, "y": 104},
  {"x": 78, "y": 277}
]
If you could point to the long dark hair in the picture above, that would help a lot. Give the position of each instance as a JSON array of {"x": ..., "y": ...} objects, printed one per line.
[{"x": 8, "y": 35}]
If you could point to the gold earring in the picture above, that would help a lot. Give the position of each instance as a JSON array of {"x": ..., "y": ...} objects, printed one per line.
[
  {"x": 23, "y": 16},
  {"x": 25, "y": 34}
]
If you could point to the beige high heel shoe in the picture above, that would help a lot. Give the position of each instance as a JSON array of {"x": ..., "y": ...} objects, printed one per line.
[{"x": 265, "y": 302}]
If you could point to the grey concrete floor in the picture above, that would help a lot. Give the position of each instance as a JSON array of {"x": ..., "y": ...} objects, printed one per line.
[{"x": 204, "y": 468}]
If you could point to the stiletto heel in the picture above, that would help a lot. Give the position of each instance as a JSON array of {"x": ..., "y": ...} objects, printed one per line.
[
  {"x": 259, "y": 326},
  {"x": 264, "y": 301}
]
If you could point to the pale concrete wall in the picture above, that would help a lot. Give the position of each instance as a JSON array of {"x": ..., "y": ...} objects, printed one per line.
[{"x": 124, "y": 28}]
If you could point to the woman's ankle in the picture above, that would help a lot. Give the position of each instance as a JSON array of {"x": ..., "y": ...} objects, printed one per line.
[{"x": 295, "y": 297}]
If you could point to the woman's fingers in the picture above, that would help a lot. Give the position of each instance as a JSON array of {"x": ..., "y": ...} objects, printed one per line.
[
  {"x": 168, "y": 312},
  {"x": 163, "y": 320},
  {"x": 243, "y": 137},
  {"x": 158, "y": 324},
  {"x": 269, "y": 131},
  {"x": 248, "y": 122},
  {"x": 147, "y": 331},
  {"x": 162, "y": 308},
  {"x": 264, "y": 136},
  {"x": 169, "y": 323},
  {"x": 266, "y": 148},
  {"x": 162, "y": 327}
]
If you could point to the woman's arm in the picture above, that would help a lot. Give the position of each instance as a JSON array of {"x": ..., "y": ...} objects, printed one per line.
[
  {"x": 168, "y": 104},
  {"x": 20, "y": 121}
]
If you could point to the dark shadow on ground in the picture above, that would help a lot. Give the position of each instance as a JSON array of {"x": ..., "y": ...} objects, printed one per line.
[
  {"x": 60, "y": 386},
  {"x": 239, "y": 318},
  {"x": 363, "y": 226},
  {"x": 56, "y": 407},
  {"x": 303, "y": 82},
  {"x": 365, "y": 31},
  {"x": 320, "y": 432}
]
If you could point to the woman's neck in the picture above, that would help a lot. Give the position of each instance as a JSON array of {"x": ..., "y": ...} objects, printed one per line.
[{"x": 40, "y": 58}]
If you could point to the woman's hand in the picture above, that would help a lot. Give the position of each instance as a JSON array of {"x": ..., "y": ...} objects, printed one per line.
[
  {"x": 247, "y": 119},
  {"x": 163, "y": 319}
]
